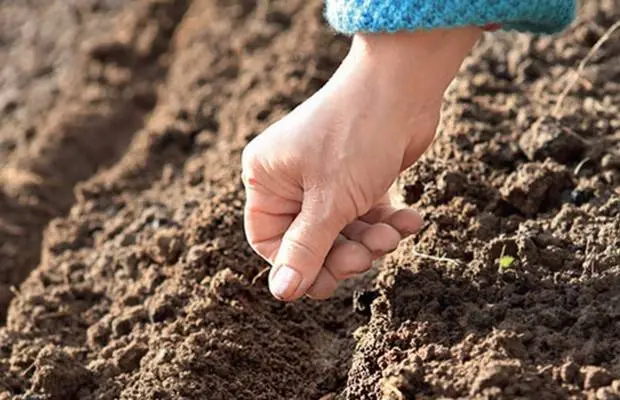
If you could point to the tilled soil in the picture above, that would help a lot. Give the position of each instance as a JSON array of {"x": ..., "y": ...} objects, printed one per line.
[
  {"x": 77, "y": 80},
  {"x": 122, "y": 125}
]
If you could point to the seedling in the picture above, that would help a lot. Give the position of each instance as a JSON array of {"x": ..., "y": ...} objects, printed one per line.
[{"x": 506, "y": 262}]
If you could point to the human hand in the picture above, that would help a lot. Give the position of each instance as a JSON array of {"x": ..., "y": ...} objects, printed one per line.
[{"x": 316, "y": 181}]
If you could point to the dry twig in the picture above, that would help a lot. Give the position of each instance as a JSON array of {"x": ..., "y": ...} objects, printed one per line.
[
  {"x": 577, "y": 73},
  {"x": 435, "y": 258},
  {"x": 260, "y": 275},
  {"x": 580, "y": 166}
]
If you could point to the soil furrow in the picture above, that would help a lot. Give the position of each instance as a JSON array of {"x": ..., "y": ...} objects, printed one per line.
[{"x": 108, "y": 93}]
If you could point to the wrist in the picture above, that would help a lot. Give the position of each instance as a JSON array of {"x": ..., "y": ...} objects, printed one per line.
[
  {"x": 402, "y": 78},
  {"x": 421, "y": 60}
]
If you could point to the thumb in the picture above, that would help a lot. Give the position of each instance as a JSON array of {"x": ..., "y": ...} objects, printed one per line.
[{"x": 303, "y": 250}]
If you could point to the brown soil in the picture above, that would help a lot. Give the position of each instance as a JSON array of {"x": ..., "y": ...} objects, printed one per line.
[
  {"x": 76, "y": 81},
  {"x": 121, "y": 129}
]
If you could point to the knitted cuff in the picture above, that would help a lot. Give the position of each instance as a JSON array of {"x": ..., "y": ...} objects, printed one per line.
[{"x": 537, "y": 16}]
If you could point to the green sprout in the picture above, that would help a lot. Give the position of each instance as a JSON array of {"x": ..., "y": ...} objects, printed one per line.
[{"x": 506, "y": 262}]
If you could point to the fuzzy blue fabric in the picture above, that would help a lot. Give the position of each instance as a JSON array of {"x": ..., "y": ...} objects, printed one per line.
[{"x": 538, "y": 16}]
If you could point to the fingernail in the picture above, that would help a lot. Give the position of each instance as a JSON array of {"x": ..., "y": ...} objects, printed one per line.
[{"x": 284, "y": 282}]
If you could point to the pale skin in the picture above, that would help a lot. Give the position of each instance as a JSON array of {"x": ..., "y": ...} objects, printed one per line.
[{"x": 316, "y": 181}]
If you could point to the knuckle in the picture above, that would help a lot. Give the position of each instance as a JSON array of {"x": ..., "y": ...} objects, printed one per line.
[
  {"x": 264, "y": 250},
  {"x": 249, "y": 156},
  {"x": 345, "y": 199},
  {"x": 250, "y": 164},
  {"x": 330, "y": 207},
  {"x": 309, "y": 250}
]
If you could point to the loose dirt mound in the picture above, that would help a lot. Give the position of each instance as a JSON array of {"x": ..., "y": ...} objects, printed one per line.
[
  {"x": 76, "y": 81},
  {"x": 147, "y": 288}
]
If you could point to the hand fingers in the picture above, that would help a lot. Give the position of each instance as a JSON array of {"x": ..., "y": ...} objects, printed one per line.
[
  {"x": 353, "y": 252},
  {"x": 297, "y": 242},
  {"x": 324, "y": 285},
  {"x": 379, "y": 238},
  {"x": 303, "y": 250},
  {"x": 346, "y": 258},
  {"x": 266, "y": 219},
  {"x": 406, "y": 221}
]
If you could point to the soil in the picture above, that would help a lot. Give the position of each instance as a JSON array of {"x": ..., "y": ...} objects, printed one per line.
[{"x": 124, "y": 272}]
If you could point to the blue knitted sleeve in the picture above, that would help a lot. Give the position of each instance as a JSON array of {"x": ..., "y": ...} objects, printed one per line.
[{"x": 538, "y": 16}]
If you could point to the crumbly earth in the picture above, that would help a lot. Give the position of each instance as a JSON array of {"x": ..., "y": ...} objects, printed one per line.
[
  {"x": 124, "y": 272},
  {"x": 77, "y": 81}
]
